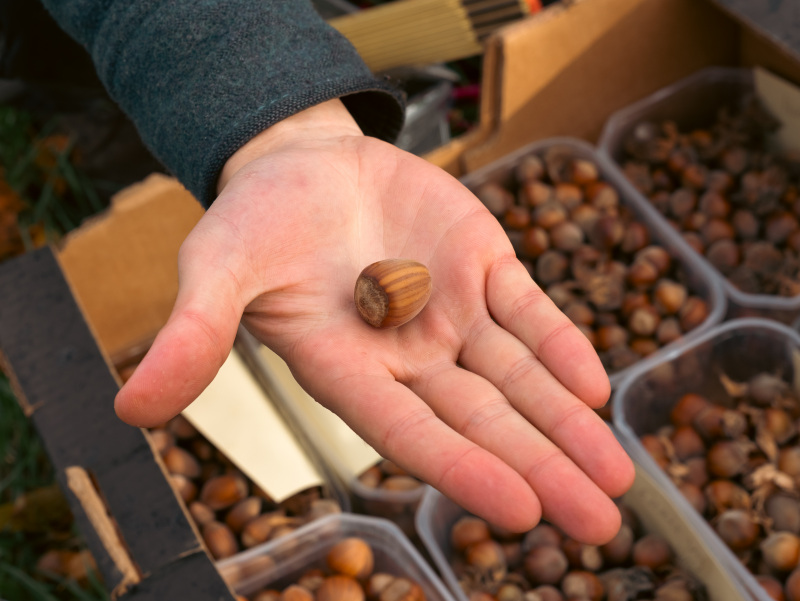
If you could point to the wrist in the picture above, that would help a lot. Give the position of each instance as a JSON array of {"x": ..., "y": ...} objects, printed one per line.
[{"x": 326, "y": 120}]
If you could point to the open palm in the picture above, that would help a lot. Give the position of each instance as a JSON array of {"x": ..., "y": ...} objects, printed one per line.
[{"x": 487, "y": 394}]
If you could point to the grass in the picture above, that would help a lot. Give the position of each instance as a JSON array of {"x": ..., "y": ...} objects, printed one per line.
[{"x": 43, "y": 195}]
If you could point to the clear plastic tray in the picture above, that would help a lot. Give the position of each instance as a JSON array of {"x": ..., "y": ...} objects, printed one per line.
[
  {"x": 699, "y": 275},
  {"x": 643, "y": 401},
  {"x": 694, "y": 102},
  {"x": 282, "y": 561},
  {"x": 654, "y": 508}
]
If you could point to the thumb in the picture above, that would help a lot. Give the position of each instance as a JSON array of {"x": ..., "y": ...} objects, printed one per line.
[{"x": 188, "y": 351}]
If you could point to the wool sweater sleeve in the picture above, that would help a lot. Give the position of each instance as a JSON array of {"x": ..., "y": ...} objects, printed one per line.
[{"x": 199, "y": 78}]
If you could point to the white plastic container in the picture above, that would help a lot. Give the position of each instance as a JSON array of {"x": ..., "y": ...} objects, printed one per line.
[
  {"x": 744, "y": 347},
  {"x": 699, "y": 275},
  {"x": 694, "y": 102},
  {"x": 279, "y": 563}
]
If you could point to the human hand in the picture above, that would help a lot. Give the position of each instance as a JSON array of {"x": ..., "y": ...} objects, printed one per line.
[{"x": 487, "y": 394}]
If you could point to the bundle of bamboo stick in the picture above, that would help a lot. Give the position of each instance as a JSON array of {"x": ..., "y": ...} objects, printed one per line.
[{"x": 419, "y": 32}]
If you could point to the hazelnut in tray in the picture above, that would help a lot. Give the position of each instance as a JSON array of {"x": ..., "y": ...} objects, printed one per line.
[{"x": 603, "y": 256}]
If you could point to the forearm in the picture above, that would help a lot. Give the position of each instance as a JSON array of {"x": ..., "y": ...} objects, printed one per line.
[{"x": 200, "y": 79}]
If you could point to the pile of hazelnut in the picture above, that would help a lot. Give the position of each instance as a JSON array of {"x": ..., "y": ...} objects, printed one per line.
[
  {"x": 734, "y": 200},
  {"x": 593, "y": 257},
  {"x": 347, "y": 574},
  {"x": 231, "y": 512},
  {"x": 736, "y": 459},
  {"x": 545, "y": 564}
]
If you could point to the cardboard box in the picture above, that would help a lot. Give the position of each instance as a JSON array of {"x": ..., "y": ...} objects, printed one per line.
[{"x": 564, "y": 70}]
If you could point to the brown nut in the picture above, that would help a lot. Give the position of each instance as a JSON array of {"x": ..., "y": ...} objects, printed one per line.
[
  {"x": 352, "y": 557},
  {"x": 392, "y": 292},
  {"x": 340, "y": 588},
  {"x": 223, "y": 491}
]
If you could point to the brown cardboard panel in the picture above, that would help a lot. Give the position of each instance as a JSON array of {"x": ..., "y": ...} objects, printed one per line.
[
  {"x": 58, "y": 368},
  {"x": 122, "y": 265},
  {"x": 565, "y": 71}
]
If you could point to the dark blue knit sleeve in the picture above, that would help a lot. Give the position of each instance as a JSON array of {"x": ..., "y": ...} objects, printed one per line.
[{"x": 199, "y": 78}]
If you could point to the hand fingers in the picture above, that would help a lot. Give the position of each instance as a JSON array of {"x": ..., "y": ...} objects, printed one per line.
[
  {"x": 189, "y": 349},
  {"x": 524, "y": 310},
  {"x": 541, "y": 399},
  {"x": 400, "y": 426},
  {"x": 478, "y": 410}
]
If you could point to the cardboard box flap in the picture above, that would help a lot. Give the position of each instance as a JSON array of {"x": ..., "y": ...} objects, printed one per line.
[
  {"x": 122, "y": 265},
  {"x": 565, "y": 70}
]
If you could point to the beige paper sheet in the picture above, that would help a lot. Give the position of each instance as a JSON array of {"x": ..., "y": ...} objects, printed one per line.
[
  {"x": 237, "y": 417},
  {"x": 782, "y": 99},
  {"x": 346, "y": 450}
]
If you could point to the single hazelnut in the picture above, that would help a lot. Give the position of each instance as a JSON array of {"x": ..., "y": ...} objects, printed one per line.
[
  {"x": 566, "y": 236},
  {"x": 669, "y": 296},
  {"x": 569, "y": 195},
  {"x": 582, "y": 584},
  {"x": 551, "y": 267},
  {"x": 529, "y": 167},
  {"x": 651, "y": 551},
  {"x": 658, "y": 256},
  {"x": 241, "y": 513},
  {"x": 351, "y": 556},
  {"x": 340, "y": 588},
  {"x": 392, "y": 292},
  {"x": 535, "y": 193},
  {"x": 693, "y": 313},
  {"x": 180, "y": 461},
  {"x": 737, "y": 528},
  {"x": 686, "y": 442},
  {"x": 717, "y": 229},
  {"x": 549, "y": 214},
  {"x": 687, "y": 407},
  {"x": 584, "y": 171},
  {"x": 668, "y": 330},
  {"x": 636, "y": 237},
  {"x": 723, "y": 255},
  {"x": 745, "y": 224},
  {"x": 223, "y": 491},
  {"x": 535, "y": 240},
  {"x": 780, "y": 551},
  {"x": 682, "y": 202},
  {"x": 644, "y": 321},
  {"x": 402, "y": 589},
  {"x": 714, "y": 204},
  {"x": 602, "y": 196},
  {"x": 517, "y": 217},
  {"x": 545, "y": 564},
  {"x": 186, "y": 489},
  {"x": 495, "y": 197},
  {"x": 779, "y": 226},
  {"x": 219, "y": 539},
  {"x": 296, "y": 592},
  {"x": 607, "y": 232},
  {"x": 617, "y": 551},
  {"x": 784, "y": 511}
]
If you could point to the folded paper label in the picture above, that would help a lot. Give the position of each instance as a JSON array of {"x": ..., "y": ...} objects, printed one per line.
[{"x": 236, "y": 416}]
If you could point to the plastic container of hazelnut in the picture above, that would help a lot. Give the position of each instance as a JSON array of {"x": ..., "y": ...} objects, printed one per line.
[
  {"x": 344, "y": 557},
  {"x": 605, "y": 257},
  {"x": 655, "y": 555},
  {"x": 716, "y": 427},
  {"x": 700, "y": 153}
]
